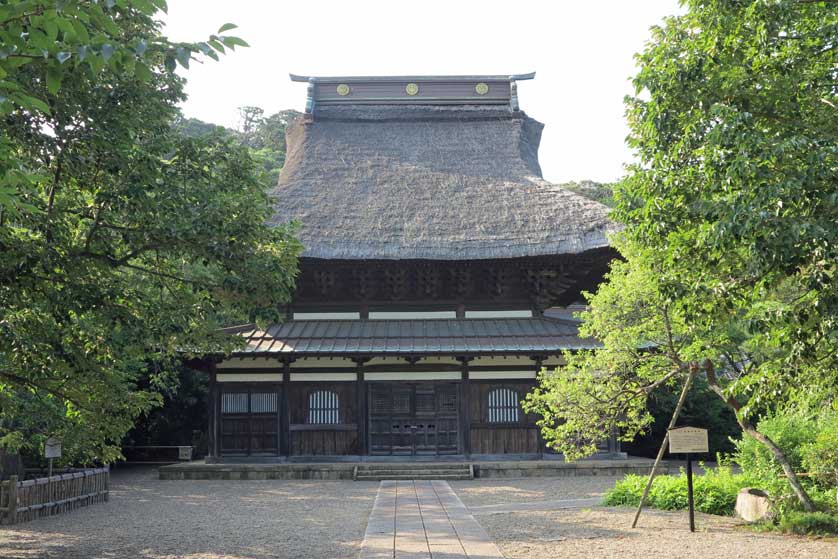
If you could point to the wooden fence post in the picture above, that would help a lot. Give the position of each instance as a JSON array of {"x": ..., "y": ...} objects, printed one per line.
[{"x": 11, "y": 511}]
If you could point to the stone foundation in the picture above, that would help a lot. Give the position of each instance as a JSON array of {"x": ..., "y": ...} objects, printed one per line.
[{"x": 344, "y": 470}]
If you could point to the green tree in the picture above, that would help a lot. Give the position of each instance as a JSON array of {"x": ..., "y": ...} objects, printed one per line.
[
  {"x": 264, "y": 136},
  {"x": 70, "y": 36},
  {"x": 601, "y": 192},
  {"x": 250, "y": 119},
  {"x": 267, "y": 142},
  {"x": 730, "y": 237},
  {"x": 126, "y": 245},
  {"x": 195, "y": 128}
]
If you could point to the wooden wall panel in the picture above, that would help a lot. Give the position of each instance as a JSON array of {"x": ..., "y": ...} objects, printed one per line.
[
  {"x": 500, "y": 438},
  {"x": 323, "y": 442},
  {"x": 479, "y": 398},
  {"x": 512, "y": 440},
  {"x": 323, "y": 439},
  {"x": 298, "y": 396}
]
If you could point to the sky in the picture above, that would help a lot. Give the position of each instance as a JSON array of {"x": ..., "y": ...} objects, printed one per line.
[{"x": 583, "y": 53}]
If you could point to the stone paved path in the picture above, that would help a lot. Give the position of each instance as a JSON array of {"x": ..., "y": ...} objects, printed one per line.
[{"x": 423, "y": 520}]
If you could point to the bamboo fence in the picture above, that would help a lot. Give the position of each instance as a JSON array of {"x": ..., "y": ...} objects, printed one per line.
[{"x": 21, "y": 501}]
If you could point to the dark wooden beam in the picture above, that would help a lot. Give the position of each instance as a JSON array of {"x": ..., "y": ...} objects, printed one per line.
[
  {"x": 285, "y": 412},
  {"x": 464, "y": 402},
  {"x": 213, "y": 412},
  {"x": 362, "y": 413}
]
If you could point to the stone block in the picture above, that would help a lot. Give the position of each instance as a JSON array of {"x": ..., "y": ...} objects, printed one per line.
[{"x": 753, "y": 505}]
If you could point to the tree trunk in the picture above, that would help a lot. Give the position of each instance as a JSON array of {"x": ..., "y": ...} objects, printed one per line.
[
  {"x": 748, "y": 428},
  {"x": 665, "y": 443}
]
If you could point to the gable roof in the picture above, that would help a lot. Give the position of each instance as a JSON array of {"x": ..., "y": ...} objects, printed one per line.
[{"x": 437, "y": 182}]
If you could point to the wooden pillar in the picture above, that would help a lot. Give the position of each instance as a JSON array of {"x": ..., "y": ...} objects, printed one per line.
[
  {"x": 465, "y": 410},
  {"x": 541, "y": 447},
  {"x": 285, "y": 412},
  {"x": 11, "y": 509},
  {"x": 362, "y": 412},
  {"x": 213, "y": 410}
]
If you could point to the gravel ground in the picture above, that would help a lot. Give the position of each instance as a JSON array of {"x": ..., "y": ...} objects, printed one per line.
[
  {"x": 151, "y": 519},
  {"x": 496, "y": 491},
  {"x": 603, "y": 532}
]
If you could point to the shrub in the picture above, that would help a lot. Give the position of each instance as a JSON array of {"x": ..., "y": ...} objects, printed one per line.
[
  {"x": 810, "y": 445},
  {"x": 714, "y": 491},
  {"x": 625, "y": 492},
  {"x": 820, "y": 457},
  {"x": 808, "y": 523},
  {"x": 792, "y": 433}
]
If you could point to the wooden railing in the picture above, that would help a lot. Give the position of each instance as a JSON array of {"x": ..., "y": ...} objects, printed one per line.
[{"x": 21, "y": 501}]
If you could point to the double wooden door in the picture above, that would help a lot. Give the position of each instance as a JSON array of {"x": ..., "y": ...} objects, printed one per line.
[
  {"x": 250, "y": 421},
  {"x": 409, "y": 419}
]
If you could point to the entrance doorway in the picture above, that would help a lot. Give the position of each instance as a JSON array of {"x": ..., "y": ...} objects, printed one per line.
[
  {"x": 250, "y": 421},
  {"x": 412, "y": 419}
]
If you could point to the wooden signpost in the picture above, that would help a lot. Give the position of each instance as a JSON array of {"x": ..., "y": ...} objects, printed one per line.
[
  {"x": 52, "y": 449},
  {"x": 689, "y": 441}
]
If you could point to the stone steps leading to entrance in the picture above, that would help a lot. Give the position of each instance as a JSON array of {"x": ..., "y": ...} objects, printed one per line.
[
  {"x": 424, "y": 471},
  {"x": 378, "y": 472},
  {"x": 413, "y": 478}
]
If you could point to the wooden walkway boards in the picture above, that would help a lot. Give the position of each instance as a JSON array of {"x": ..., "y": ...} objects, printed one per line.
[{"x": 423, "y": 520}]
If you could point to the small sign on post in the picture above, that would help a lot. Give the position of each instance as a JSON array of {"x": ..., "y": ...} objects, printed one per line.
[
  {"x": 52, "y": 449},
  {"x": 689, "y": 440}
]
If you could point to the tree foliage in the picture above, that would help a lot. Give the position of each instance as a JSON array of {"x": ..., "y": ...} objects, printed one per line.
[
  {"x": 730, "y": 236},
  {"x": 263, "y": 135},
  {"x": 123, "y": 243},
  {"x": 57, "y": 39},
  {"x": 599, "y": 191}
]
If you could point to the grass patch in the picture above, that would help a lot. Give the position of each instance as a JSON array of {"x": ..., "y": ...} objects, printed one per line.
[
  {"x": 714, "y": 491},
  {"x": 802, "y": 524}
]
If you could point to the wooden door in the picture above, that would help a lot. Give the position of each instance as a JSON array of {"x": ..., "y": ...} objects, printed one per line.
[
  {"x": 410, "y": 419},
  {"x": 250, "y": 421}
]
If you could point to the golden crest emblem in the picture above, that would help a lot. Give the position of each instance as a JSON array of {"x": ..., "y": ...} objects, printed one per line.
[
  {"x": 343, "y": 90},
  {"x": 412, "y": 89},
  {"x": 481, "y": 88}
]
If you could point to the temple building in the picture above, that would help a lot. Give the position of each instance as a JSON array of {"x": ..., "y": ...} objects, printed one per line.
[{"x": 434, "y": 251}]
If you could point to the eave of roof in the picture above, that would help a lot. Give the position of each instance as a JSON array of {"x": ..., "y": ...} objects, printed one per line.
[{"x": 510, "y": 336}]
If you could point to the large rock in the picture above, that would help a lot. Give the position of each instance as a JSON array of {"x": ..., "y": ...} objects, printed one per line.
[{"x": 752, "y": 505}]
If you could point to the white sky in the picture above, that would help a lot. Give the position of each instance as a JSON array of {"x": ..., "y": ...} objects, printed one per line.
[{"x": 581, "y": 50}]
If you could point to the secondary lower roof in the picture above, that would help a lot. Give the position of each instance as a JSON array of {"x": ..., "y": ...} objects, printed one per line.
[{"x": 413, "y": 337}]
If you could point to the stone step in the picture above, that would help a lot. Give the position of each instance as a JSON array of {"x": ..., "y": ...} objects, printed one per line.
[
  {"x": 413, "y": 472},
  {"x": 374, "y": 472},
  {"x": 414, "y": 466},
  {"x": 407, "y": 477}
]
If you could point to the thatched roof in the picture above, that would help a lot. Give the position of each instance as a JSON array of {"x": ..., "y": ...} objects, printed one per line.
[{"x": 428, "y": 182}]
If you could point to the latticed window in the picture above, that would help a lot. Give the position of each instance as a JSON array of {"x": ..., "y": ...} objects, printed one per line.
[
  {"x": 503, "y": 405},
  {"x": 323, "y": 407},
  {"x": 263, "y": 402},
  {"x": 234, "y": 402},
  {"x": 237, "y": 403}
]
